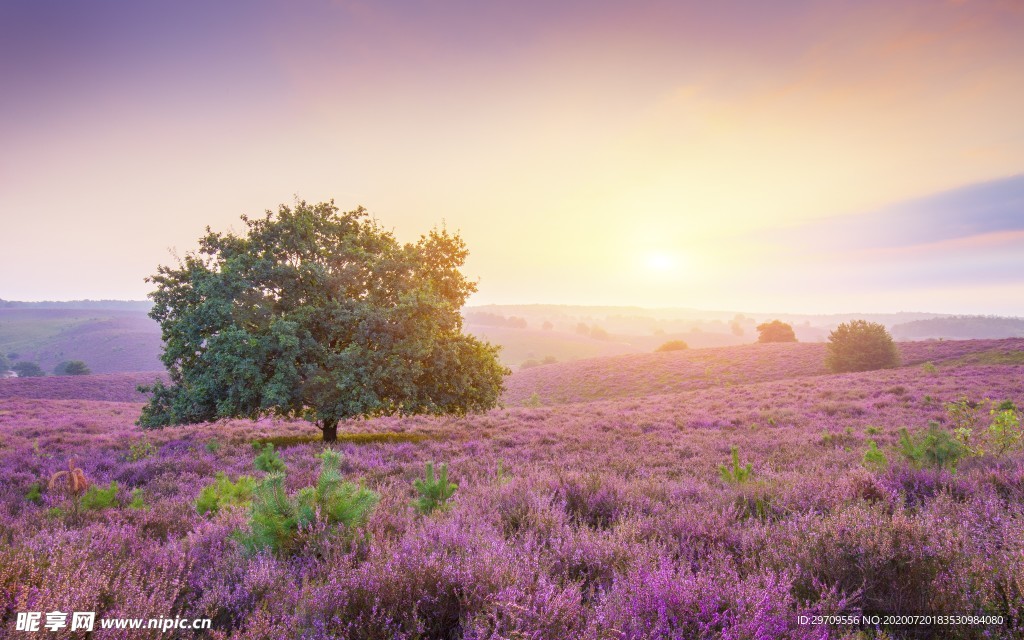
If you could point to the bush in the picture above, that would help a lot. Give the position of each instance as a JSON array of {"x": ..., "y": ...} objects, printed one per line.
[
  {"x": 859, "y": 345},
  {"x": 28, "y": 370},
  {"x": 140, "y": 451},
  {"x": 96, "y": 498},
  {"x": 72, "y": 368},
  {"x": 775, "y": 331},
  {"x": 673, "y": 345},
  {"x": 223, "y": 493},
  {"x": 1002, "y": 435},
  {"x": 276, "y": 517},
  {"x": 434, "y": 492},
  {"x": 269, "y": 461},
  {"x": 935, "y": 448}
]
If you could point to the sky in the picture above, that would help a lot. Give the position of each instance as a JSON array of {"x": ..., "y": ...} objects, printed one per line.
[{"x": 764, "y": 156}]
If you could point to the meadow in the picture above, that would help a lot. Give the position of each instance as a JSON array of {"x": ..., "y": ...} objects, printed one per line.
[{"x": 594, "y": 505}]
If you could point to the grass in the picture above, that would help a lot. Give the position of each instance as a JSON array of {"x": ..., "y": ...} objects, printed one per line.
[
  {"x": 386, "y": 437},
  {"x": 995, "y": 356}
]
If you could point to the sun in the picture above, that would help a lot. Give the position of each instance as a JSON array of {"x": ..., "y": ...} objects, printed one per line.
[{"x": 662, "y": 262}]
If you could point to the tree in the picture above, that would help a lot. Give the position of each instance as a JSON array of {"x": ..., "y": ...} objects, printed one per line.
[
  {"x": 673, "y": 345},
  {"x": 72, "y": 368},
  {"x": 319, "y": 315},
  {"x": 26, "y": 369},
  {"x": 860, "y": 345},
  {"x": 5, "y": 364},
  {"x": 775, "y": 331}
]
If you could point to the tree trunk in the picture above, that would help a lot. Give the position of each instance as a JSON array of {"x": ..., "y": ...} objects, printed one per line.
[{"x": 330, "y": 429}]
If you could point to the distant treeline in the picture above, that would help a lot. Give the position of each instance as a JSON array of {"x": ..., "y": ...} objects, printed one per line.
[
  {"x": 960, "y": 327},
  {"x": 495, "y": 320},
  {"x": 114, "y": 305}
]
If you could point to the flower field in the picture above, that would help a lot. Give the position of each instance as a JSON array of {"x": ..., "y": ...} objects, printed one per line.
[{"x": 594, "y": 506}]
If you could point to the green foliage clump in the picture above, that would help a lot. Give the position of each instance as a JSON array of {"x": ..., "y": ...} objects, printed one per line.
[
  {"x": 97, "y": 498},
  {"x": 223, "y": 493},
  {"x": 28, "y": 370},
  {"x": 72, "y": 368},
  {"x": 435, "y": 491},
  {"x": 929, "y": 368},
  {"x": 275, "y": 517},
  {"x": 34, "y": 492},
  {"x": 860, "y": 345},
  {"x": 140, "y": 451},
  {"x": 934, "y": 448},
  {"x": 1002, "y": 435},
  {"x": 736, "y": 474},
  {"x": 138, "y": 501},
  {"x": 269, "y": 461},
  {"x": 213, "y": 446},
  {"x": 673, "y": 345},
  {"x": 318, "y": 315},
  {"x": 775, "y": 331},
  {"x": 874, "y": 459}
]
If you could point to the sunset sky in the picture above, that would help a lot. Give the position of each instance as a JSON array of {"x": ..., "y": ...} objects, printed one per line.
[{"x": 761, "y": 156}]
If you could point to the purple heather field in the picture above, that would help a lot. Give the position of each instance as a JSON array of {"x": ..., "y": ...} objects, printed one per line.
[{"x": 591, "y": 506}]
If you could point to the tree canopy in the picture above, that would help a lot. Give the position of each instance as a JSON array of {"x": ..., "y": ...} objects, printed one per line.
[
  {"x": 320, "y": 315},
  {"x": 860, "y": 345},
  {"x": 72, "y": 368},
  {"x": 775, "y": 331}
]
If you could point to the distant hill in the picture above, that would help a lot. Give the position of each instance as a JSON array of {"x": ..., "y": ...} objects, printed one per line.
[
  {"x": 960, "y": 328},
  {"x": 107, "y": 340}
]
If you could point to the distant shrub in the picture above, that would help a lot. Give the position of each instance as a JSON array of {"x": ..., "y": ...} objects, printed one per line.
[
  {"x": 28, "y": 370},
  {"x": 275, "y": 517},
  {"x": 529, "y": 364},
  {"x": 97, "y": 498},
  {"x": 223, "y": 493},
  {"x": 929, "y": 368},
  {"x": 533, "y": 400},
  {"x": 674, "y": 345},
  {"x": 213, "y": 446},
  {"x": 597, "y": 333},
  {"x": 269, "y": 461},
  {"x": 72, "y": 368},
  {"x": 5, "y": 364},
  {"x": 549, "y": 360},
  {"x": 775, "y": 331},
  {"x": 736, "y": 474},
  {"x": 140, "y": 451},
  {"x": 859, "y": 345},
  {"x": 935, "y": 448},
  {"x": 434, "y": 491},
  {"x": 547, "y": 326},
  {"x": 873, "y": 431},
  {"x": 874, "y": 459}
]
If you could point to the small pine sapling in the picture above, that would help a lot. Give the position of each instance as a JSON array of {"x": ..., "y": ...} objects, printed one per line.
[
  {"x": 874, "y": 458},
  {"x": 97, "y": 498},
  {"x": 138, "y": 501},
  {"x": 269, "y": 461},
  {"x": 434, "y": 491},
  {"x": 737, "y": 474}
]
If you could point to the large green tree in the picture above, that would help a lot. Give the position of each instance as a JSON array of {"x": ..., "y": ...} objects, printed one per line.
[
  {"x": 860, "y": 345},
  {"x": 322, "y": 315},
  {"x": 775, "y": 331}
]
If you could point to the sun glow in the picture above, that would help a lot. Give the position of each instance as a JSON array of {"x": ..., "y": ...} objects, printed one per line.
[{"x": 662, "y": 262}]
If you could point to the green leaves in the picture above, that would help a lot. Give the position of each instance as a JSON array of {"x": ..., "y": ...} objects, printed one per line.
[
  {"x": 860, "y": 345},
  {"x": 320, "y": 315}
]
